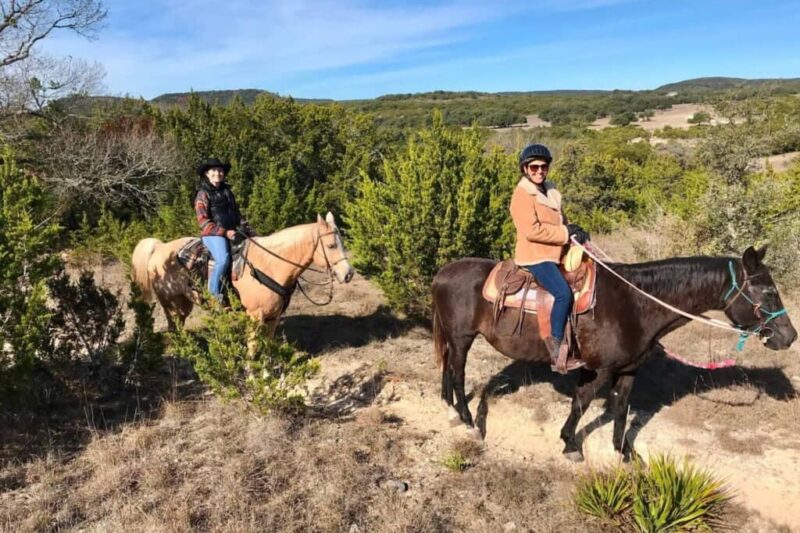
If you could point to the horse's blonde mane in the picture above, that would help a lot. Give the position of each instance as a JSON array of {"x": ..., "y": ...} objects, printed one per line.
[{"x": 286, "y": 238}]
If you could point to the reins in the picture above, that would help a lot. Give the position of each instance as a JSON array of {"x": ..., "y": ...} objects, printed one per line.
[
  {"x": 744, "y": 334},
  {"x": 328, "y": 270}
]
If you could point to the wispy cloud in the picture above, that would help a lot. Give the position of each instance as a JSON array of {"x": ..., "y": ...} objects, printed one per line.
[
  {"x": 190, "y": 44},
  {"x": 321, "y": 47}
]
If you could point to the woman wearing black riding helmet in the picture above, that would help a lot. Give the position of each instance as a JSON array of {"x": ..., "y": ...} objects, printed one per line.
[{"x": 542, "y": 232}]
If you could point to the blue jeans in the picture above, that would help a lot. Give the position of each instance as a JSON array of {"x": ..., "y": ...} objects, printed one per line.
[
  {"x": 220, "y": 251},
  {"x": 549, "y": 277}
]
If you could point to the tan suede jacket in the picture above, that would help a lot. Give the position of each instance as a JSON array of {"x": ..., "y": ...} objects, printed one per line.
[{"x": 541, "y": 233}]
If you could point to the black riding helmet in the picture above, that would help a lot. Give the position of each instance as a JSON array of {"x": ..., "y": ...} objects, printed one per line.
[{"x": 531, "y": 152}]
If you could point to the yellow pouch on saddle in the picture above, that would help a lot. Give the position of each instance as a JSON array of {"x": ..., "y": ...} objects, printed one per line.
[{"x": 573, "y": 258}]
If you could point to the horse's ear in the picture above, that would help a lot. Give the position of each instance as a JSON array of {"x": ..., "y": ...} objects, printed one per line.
[
  {"x": 761, "y": 252},
  {"x": 319, "y": 219},
  {"x": 329, "y": 219},
  {"x": 751, "y": 260}
]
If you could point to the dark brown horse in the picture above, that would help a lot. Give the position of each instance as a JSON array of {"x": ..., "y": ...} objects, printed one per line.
[{"x": 623, "y": 329}]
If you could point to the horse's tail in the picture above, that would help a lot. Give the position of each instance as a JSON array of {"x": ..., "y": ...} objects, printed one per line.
[
  {"x": 440, "y": 348},
  {"x": 139, "y": 261}
]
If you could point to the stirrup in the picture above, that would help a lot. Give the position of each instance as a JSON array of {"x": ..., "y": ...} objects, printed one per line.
[{"x": 564, "y": 363}]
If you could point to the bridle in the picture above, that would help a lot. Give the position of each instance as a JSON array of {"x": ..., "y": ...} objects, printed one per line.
[
  {"x": 328, "y": 265},
  {"x": 763, "y": 316}
]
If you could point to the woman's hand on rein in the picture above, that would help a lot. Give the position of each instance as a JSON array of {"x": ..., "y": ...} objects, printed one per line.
[{"x": 581, "y": 235}]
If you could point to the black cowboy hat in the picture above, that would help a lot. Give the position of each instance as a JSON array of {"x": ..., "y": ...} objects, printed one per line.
[{"x": 212, "y": 162}]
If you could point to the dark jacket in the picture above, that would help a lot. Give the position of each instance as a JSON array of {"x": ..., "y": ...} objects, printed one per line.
[{"x": 216, "y": 209}]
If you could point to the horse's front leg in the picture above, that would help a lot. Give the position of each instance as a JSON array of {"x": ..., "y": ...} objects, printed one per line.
[
  {"x": 589, "y": 383},
  {"x": 620, "y": 400}
]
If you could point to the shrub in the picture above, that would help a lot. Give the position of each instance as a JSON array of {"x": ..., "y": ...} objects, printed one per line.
[
  {"x": 443, "y": 198},
  {"x": 86, "y": 321},
  {"x": 27, "y": 244},
  {"x": 236, "y": 357},
  {"x": 143, "y": 353},
  {"x": 729, "y": 151},
  {"x": 662, "y": 497},
  {"x": 700, "y": 117},
  {"x": 731, "y": 217},
  {"x": 456, "y": 462}
]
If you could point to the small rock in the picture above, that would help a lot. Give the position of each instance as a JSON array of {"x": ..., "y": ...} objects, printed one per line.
[
  {"x": 510, "y": 526},
  {"x": 354, "y": 528},
  {"x": 396, "y": 485}
]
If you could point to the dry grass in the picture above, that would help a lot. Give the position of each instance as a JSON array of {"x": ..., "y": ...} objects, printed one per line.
[{"x": 208, "y": 466}]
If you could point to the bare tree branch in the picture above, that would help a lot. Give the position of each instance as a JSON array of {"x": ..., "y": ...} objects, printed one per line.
[
  {"x": 25, "y": 23},
  {"x": 129, "y": 166},
  {"x": 28, "y": 86}
]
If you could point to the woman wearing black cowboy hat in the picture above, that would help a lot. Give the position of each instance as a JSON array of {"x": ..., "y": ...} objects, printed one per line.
[{"x": 219, "y": 217}]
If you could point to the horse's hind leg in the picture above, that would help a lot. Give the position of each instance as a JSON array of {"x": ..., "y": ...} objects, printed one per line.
[
  {"x": 459, "y": 347},
  {"x": 620, "y": 400},
  {"x": 589, "y": 383}
]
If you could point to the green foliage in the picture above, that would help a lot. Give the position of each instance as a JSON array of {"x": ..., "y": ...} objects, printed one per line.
[
  {"x": 456, "y": 462},
  {"x": 289, "y": 161},
  {"x": 700, "y": 117},
  {"x": 442, "y": 199},
  {"x": 27, "y": 245},
  {"x": 108, "y": 238},
  {"x": 728, "y": 151},
  {"x": 86, "y": 321},
  {"x": 661, "y": 497},
  {"x": 763, "y": 209},
  {"x": 143, "y": 353},
  {"x": 236, "y": 357},
  {"x": 607, "y": 495},
  {"x": 623, "y": 119},
  {"x": 602, "y": 191},
  {"x": 112, "y": 238},
  {"x": 669, "y": 497}
]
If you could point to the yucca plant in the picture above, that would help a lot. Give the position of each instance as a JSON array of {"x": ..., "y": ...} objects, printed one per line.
[
  {"x": 671, "y": 497},
  {"x": 664, "y": 496},
  {"x": 606, "y": 495}
]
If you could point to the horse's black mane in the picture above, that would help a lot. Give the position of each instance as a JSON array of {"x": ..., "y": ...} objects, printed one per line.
[{"x": 701, "y": 277}]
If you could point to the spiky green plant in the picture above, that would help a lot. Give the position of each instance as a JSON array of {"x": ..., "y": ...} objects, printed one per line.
[
  {"x": 662, "y": 497},
  {"x": 607, "y": 495},
  {"x": 669, "y": 496}
]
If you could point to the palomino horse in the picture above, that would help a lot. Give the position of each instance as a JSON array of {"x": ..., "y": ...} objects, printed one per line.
[
  {"x": 614, "y": 340},
  {"x": 283, "y": 256}
]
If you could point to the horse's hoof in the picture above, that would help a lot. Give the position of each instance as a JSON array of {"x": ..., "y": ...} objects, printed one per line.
[
  {"x": 474, "y": 434},
  {"x": 453, "y": 418},
  {"x": 574, "y": 456}
]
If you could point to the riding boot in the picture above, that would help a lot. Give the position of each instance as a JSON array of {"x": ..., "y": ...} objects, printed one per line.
[{"x": 560, "y": 361}]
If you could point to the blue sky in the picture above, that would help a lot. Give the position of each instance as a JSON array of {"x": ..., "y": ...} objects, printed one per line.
[{"x": 359, "y": 49}]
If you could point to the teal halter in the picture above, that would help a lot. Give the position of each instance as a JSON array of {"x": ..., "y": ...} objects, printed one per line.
[{"x": 763, "y": 315}]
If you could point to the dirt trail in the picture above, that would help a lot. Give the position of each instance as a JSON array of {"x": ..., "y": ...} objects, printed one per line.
[{"x": 742, "y": 426}]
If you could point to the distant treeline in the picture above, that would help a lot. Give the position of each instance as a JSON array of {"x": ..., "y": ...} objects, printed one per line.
[{"x": 558, "y": 107}]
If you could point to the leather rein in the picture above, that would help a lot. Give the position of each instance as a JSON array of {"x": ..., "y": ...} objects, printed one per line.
[{"x": 328, "y": 268}]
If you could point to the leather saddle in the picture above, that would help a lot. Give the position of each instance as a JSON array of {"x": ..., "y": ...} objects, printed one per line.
[
  {"x": 508, "y": 285},
  {"x": 195, "y": 258}
]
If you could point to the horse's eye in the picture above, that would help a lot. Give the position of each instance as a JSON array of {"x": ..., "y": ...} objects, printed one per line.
[{"x": 331, "y": 246}]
